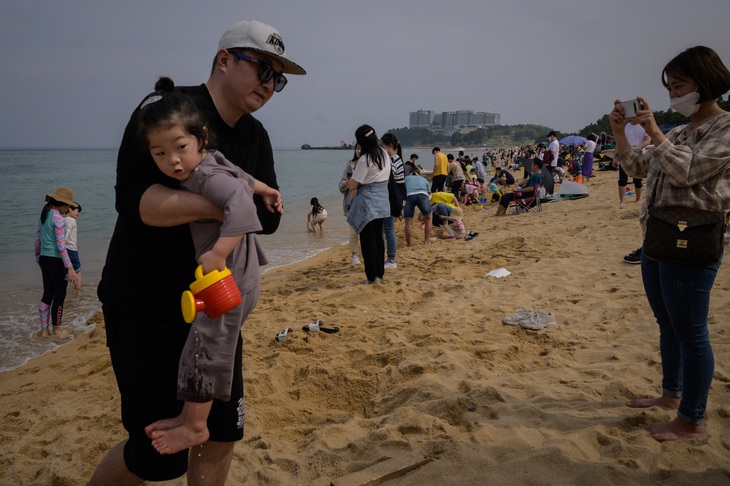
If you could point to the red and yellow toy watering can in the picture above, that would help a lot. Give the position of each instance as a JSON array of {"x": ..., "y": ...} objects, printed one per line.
[{"x": 215, "y": 293}]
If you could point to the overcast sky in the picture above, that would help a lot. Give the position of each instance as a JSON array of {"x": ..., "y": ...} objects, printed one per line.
[{"x": 72, "y": 71}]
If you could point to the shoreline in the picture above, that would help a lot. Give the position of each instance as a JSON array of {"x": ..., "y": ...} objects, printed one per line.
[{"x": 422, "y": 367}]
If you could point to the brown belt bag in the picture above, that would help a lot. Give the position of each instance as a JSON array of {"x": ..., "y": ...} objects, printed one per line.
[{"x": 685, "y": 235}]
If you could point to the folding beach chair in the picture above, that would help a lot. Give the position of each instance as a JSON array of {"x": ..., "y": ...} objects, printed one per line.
[{"x": 530, "y": 201}]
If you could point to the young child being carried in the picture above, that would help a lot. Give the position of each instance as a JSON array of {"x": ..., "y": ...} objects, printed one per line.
[{"x": 172, "y": 128}]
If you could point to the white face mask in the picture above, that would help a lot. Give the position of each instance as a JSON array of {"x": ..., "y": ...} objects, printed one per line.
[{"x": 687, "y": 104}]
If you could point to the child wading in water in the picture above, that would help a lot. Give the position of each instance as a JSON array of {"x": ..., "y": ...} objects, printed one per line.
[
  {"x": 71, "y": 239},
  {"x": 172, "y": 129},
  {"x": 316, "y": 215},
  {"x": 52, "y": 256}
]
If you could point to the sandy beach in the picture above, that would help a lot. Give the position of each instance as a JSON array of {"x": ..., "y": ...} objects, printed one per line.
[{"x": 424, "y": 384}]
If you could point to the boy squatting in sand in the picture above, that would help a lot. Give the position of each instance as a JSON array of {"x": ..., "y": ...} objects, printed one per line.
[{"x": 172, "y": 128}]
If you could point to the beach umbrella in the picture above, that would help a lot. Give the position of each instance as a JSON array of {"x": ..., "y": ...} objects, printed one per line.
[{"x": 573, "y": 140}]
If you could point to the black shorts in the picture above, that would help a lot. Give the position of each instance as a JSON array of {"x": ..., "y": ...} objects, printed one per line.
[
  {"x": 623, "y": 179},
  {"x": 145, "y": 354}
]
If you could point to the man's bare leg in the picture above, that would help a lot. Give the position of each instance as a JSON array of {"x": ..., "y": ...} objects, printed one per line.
[
  {"x": 427, "y": 231},
  {"x": 209, "y": 464},
  {"x": 187, "y": 430},
  {"x": 112, "y": 471},
  {"x": 677, "y": 429},
  {"x": 637, "y": 190},
  {"x": 409, "y": 231},
  {"x": 663, "y": 402}
]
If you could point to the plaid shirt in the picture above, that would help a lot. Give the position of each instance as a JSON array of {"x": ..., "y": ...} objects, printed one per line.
[{"x": 689, "y": 171}]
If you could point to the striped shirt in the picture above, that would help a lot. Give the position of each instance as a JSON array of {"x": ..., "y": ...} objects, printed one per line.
[
  {"x": 689, "y": 171},
  {"x": 398, "y": 169}
]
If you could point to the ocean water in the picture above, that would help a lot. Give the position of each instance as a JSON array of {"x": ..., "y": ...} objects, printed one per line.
[{"x": 28, "y": 175}]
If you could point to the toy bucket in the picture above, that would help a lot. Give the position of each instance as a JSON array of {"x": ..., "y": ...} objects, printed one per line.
[{"x": 215, "y": 293}]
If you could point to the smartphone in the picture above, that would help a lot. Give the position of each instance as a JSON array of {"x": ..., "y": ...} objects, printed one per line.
[{"x": 631, "y": 107}]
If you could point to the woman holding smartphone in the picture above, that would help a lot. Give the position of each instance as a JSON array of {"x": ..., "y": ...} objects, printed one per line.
[{"x": 689, "y": 167}]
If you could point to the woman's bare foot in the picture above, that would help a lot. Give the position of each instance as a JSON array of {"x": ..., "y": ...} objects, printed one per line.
[
  {"x": 677, "y": 429},
  {"x": 663, "y": 402},
  {"x": 179, "y": 438}
]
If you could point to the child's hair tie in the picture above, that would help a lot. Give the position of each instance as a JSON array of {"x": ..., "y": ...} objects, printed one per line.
[{"x": 150, "y": 100}]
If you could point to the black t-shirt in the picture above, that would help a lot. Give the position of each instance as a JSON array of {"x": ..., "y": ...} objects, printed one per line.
[{"x": 147, "y": 268}]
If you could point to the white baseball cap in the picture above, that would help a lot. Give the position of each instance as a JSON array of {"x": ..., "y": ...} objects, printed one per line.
[{"x": 261, "y": 37}]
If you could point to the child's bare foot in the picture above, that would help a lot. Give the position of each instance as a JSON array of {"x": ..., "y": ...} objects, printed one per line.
[
  {"x": 57, "y": 331},
  {"x": 663, "y": 402},
  {"x": 164, "y": 424},
  {"x": 176, "y": 438},
  {"x": 44, "y": 332},
  {"x": 677, "y": 429},
  {"x": 187, "y": 430}
]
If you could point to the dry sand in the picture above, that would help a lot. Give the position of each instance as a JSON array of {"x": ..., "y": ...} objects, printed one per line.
[{"x": 423, "y": 370}]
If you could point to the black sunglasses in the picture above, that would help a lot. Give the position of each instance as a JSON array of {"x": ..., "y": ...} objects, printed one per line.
[{"x": 266, "y": 70}]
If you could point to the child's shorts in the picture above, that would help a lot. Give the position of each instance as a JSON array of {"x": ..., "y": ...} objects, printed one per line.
[
  {"x": 73, "y": 255},
  {"x": 320, "y": 217}
]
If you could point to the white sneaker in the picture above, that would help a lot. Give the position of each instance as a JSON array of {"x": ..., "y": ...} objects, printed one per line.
[
  {"x": 514, "y": 319},
  {"x": 539, "y": 320},
  {"x": 354, "y": 260},
  {"x": 390, "y": 264}
]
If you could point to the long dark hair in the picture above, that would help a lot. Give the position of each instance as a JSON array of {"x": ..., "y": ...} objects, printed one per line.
[
  {"x": 50, "y": 203},
  {"x": 392, "y": 140},
  {"x": 316, "y": 207},
  {"x": 165, "y": 108},
  {"x": 370, "y": 145}
]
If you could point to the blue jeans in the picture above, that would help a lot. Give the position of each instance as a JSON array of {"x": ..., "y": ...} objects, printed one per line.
[
  {"x": 389, "y": 230},
  {"x": 679, "y": 296}
]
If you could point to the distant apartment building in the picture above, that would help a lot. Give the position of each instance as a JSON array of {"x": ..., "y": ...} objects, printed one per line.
[{"x": 450, "y": 121}]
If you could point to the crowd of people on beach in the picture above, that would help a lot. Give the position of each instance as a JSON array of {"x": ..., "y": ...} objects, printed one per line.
[{"x": 196, "y": 183}]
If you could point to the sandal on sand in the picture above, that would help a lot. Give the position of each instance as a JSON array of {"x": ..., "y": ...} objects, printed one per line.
[
  {"x": 317, "y": 326},
  {"x": 282, "y": 334}
]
